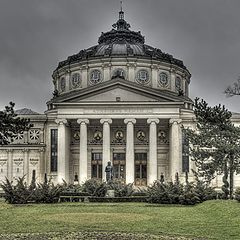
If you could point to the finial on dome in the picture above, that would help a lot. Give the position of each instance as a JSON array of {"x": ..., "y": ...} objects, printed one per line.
[
  {"x": 121, "y": 13},
  {"x": 121, "y": 24}
]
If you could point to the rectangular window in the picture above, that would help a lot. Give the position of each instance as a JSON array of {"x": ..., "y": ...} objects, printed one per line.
[
  {"x": 119, "y": 156},
  {"x": 119, "y": 161},
  {"x": 97, "y": 165},
  {"x": 185, "y": 153},
  {"x": 54, "y": 150},
  {"x": 140, "y": 169}
]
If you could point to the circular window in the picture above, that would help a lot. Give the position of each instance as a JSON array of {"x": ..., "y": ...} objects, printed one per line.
[
  {"x": 178, "y": 83},
  {"x": 163, "y": 79},
  {"x": 142, "y": 77},
  {"x": 95, "y": 77},
  {"x": 119, "y": 72},
  {"x": 76, "y": 79},
  {"x": 62, "y": 84}
]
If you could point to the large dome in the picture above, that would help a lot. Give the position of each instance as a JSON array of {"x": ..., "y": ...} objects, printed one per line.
[
  {"x": 121, "y": 41},
  {"x": 123, "y": 53}
]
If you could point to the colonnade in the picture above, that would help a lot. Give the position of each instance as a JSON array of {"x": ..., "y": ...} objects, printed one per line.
[{"x": 175, "y": 148}]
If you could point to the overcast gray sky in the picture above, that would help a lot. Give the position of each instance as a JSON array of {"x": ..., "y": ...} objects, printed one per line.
[{"x": 35, "y": 35}]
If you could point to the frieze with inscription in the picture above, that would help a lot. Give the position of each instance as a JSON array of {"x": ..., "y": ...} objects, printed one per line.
[{"x": 112, "y": 111}]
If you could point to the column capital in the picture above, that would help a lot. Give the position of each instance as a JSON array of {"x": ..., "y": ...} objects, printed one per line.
[
  {"x": 9, "y": 150},
  {"x": 41, "y": 150},
  {"x": 83, "y": 121},
  {"x": 152, "y": 120},
  {"x": 175, "y": 121},
  {"x": 25, "y": 150},
  {"x": 61, "y": 121},
  {"x": 106, "y": 120},
  {"x": 130, "y": 120}
]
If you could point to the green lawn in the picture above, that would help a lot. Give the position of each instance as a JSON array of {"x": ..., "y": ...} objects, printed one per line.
[{"x": 209, "y": 220}]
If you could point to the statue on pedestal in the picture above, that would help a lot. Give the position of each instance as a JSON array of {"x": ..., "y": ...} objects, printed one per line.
[{"x": 109, "y": 171}]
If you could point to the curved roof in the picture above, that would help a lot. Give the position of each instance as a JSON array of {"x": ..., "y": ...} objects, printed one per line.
[{"x": 121, "y": 41}]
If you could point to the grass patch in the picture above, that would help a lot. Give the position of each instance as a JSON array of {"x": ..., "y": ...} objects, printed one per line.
[{"x": 210, "y": 220}]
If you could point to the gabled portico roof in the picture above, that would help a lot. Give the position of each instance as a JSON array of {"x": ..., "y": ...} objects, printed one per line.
[{"x": 154, "y": 95}]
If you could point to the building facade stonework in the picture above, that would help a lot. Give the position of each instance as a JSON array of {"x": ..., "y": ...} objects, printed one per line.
[{"x": 120, "y": 101}]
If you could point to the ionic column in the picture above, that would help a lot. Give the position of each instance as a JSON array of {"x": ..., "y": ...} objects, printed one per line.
[
  {"x": 175, "y": 147},
  {"x": 106, "y": 145},
  {"x": 62, "y": 166},
  {"x": 152, "y": 163},
  {"x": 130, "y": 150},
  {"x": 10, "y": 165},
  {"x": 83, "y": 167}
]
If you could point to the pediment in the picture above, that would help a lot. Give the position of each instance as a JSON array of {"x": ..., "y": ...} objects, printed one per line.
[
  {"x": 117, "y": 94},
  {"x": 122, "y": 90}
]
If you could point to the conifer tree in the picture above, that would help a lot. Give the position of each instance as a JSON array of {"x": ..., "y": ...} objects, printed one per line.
[
  {"x": 10, "y": 124},
  {"x": 216, "y": 144}
]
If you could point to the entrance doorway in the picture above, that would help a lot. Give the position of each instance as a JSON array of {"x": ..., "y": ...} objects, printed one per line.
[
  {"x": 119, "y": 168},
  {"x": 141, "y": 169}
]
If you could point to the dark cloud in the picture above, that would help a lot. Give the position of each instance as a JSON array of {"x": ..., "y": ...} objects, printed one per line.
[{"x": 35, "y": 35}]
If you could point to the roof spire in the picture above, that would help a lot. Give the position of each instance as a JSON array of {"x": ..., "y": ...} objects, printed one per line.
[
  {"x": 121, "y": 13},
  {"x": 121, "y": 24}
]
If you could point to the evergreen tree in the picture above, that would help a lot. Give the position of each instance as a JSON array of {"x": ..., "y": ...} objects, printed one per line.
[
  {"x": 216, "y": 144},
  {"x": 10, "y": 124},
  {"x": 234, "y": 89}
]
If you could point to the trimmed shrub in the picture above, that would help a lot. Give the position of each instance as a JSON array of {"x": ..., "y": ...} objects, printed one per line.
[
  {"x": 69, "y": 187},
  {"x": 189, "y": 195},
  {"x": 19, "y": 193},
  {"x": 94, "y": 187},
  {"x": 177, "y": 193},
  {"x": 47, "y": 192},
  {"x": 204, "y": 191},
  {"x": 166, "y": 193},
  {"x": 120, "y": 189}
]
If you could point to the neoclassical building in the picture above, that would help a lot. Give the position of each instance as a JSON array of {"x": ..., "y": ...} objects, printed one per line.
[{"x": 121, "y": 101}]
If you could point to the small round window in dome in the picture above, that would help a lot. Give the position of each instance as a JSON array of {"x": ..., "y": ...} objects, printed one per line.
[
  {"x": 178, "y": 83},
  {"x": 95, "y": 77},
  {"x": 63, "y": 84},
  {"x": 142, "y": 77},
  {"x": 76, "y": 79},
  {"x": 163, "y": 79},
  {"x": 119, "y": 73}
]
